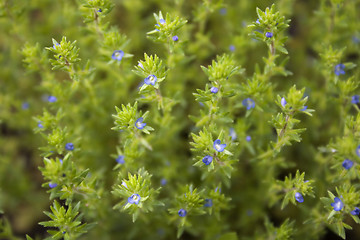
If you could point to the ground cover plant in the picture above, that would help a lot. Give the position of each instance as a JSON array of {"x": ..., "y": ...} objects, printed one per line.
[{"x": 166, "y": 119}]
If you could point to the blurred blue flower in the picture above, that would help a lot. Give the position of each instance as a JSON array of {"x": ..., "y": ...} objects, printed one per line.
[
  {"x": 25, "y": 105},
  {"x": 52, "y": 185},
  {"x": 248, "y": 138},
  {"x": 208, "y": 202},
  {"x": 69, "y": 146},
  {"x": 135, "y": 198},
  {"x": 40, "y": 124},
  {"x": 117, "y": 55},
  {"x": 182, "y": 212},
  {"x": 304, "y": 108},
  {"x": 214, "y": 89},
  {"x": 299, "y": 197},
  {"x": 163, "y": 181},
  {"x": 232, "y": 134},
  {"x": 52, "y": 99},
  {"x": 207, "y": 159},
  {"x": 283, "y": 102},
  {"x": 339, "y": 69},
  {"x": 150, "y": 80},
  {"x": 248, "y": 103},
  {"x": 257, "y": 21},
  {"x": 355, "y": 212},
  {"x": 269, "y": 34},
  {"x": 347, "y": 164},
  {"x": 223, "y": 11},
  {"x": 139, "y": 123},
  {"x": 161, "y": 21},
  {"x": 120, "y": 159},
  {"x": 337, "y": 204},
  {"x": 232, "y": 48},
  {"x": 218, "y": 146},
  {"x": 99, "y": 10},
  {"x": 55, "y": 45},
  {"x": 175, "y": 38},
  {"x": 355, "y": 99}
]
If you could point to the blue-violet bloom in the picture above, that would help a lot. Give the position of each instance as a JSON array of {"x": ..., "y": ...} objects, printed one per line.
[
  {"x": 120, "y": 159},
  {"x": 214, "y": 89},
  {"x": 208, "y": 202},
  {"x": 161, "y": 21},
  {"x": 223, "y": 11},
  {"x": 25, "y": 105},
  {"x": 117, "y": 55},
  {"x": 182, "y": 212},
  {"x": 218, "y": 146},
  {"x": 269, "y": 34},
  {"x": 355, "y": 99},
  {"x": 337, "y": 204},
  {"x": 139, "y": 123},
  {"x": 304, "y": 108},
  {"x": 299, "y": 197},
  {"x": 283, "y": 102},
  {"x": 99, "y": 10},
  {"x": 135, "y": 198},
  {"x": 52, "y": 185},
  {"x": 69, "y": 146},
  {"x": 207, "y": 159},
  {"x": 339, "y": 69},
  {"x": 54, "y": 46},
  {"x": 40, "y": 124},
  {"x": 163, "y": 181},
  {"x": 257, "y": 21},
  {"x": 175, "y": 38},
  {"x": 355, "y": 212},
  {"x": 248, "y": 138},
  {"x": 232, "y": 134},
  {"x": 248, "y": 103},
  {"x": 347, "y": 164},
  {"x": 52, "y": 99},
  {"x": 150, "y": 80},
  {"x": 232, "y": 48}
]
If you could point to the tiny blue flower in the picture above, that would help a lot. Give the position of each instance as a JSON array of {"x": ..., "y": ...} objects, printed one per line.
[
  {"x": 232, "y": 48},
  {"x": 161, "y": 21},
  {"x": 25, "y": 105},
  {"x": 140, "y": 65},
  {"x": 347, "y": 164},
  {"x": 304, "y": 108},
  {"x": 214, "y": 89},
  {"x": 283, "y": 102},
  {"x": 150, "y": 80},
  {"x": 232, "y": 134},
  {"x": 52, "y": 185},
  {"x": 207, "y": 159},
  {"x": 124, "y": 184},
  {"x": 257, "y": 21},
  {"x": 339, "y": 69},
  {"x": 355, "y": 212},
  {"x": 208, "y": 202},
  {"x": 175, "y": 38},
  {"x": 182, "y": 212},
  {"x": 218, "y": 146},
  {"x": 61, "y": 161},
  {"x": 223, "y": 11},
  {"x": 99, "y": 10},
  {"x": 120, "y": 159},
  {"x": 117, "y": 55},
  {"x": 299, "y": 197},
  {"x": 52, "y": 99},
  {"x": 55, "y": 45},
  {"x": 355, "y": 99},
  {"x": 40, "y": 124},
  {"x": 358, "y": 151},
  {"x": 248, "y": 103},
  {"x": 157, "y": 26},
  {"x": 139, "y": 123},
  {"x": 163, "y": 181},
  {"x": 337, "y": 204},
  {"x": 69, "y": 146},
  {"x": 135, "y": 198},
  {"x": 248, "y": 138},
  {"x": 269, "y": 34},
  {"x": 216, "y": 189}
]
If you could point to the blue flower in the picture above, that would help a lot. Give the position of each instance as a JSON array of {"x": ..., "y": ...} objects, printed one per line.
[
  {"x": 358, "y": 151},
  {"x": 40, "y": 124},
  {"x": 299, "y": 197},
  {"x": 347, "y": 164},
  {"x": 248, "y": 138},
  {"x": 124, "y": 184},
  {"x": 269, "y": 34},
  {"x": 139, "y": 123},
  {"x": 135, "y": 198},
  {"x": 120, "y": 159},
  {"x": 55, "y": 45},
  {"x": 182, "y": 212},
  {"x": 232, "y": 48},
  {"x": 25, "y": 105},
  {"x": 163, "y": 181},
  {"x": 52, "y": 99},
  {"x": 208, "y": 202},
  {"x": 304, "y": 108},
  {"x": 337, "y": 204},
  {"x": 283, "y": 102},
  {"x": 355, "y": 212},
  {"x": 218, "y": 146},
  {"x": 161, "y": 21},
  {"x": 257, "y": 21},
  {"x": 339, "y": 69},
  {"x": 232, "y": 134},
  {"x": 69, "y": 146},
  {"x": 157, "y": 26},
  {"x": 248, "y": 103},
  {"x": 355, "y": 99},
  {"x": 117, "y": 55},
  {"x": 140, "y": 65},
  {"x": 214, "y": 89},
  {"x": 207, "y": 159},
  {"x": 99, "y": 10},
  {"x": 175, "y": 38},
  {"x": 222, "y": 11},
  {"x": 52, "y": 185},
  {"x": 217, "y": 188},
  {"x": 150, "y": 80},
  {"x": 61, "y": 161}
]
